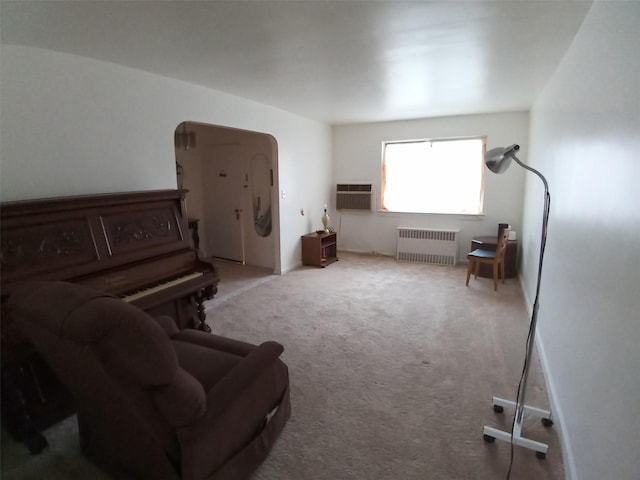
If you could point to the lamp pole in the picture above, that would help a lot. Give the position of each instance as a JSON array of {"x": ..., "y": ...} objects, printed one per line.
[{"x": 498, "y": 160}]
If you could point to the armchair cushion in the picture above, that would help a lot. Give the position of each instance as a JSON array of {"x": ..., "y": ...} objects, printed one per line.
[
  {"x": 216, "y": 342},
  {"x": 208, "y": 366},
  {"x": 182, "y": 401}
]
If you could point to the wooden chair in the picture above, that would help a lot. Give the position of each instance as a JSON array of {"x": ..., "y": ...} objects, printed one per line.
[{"x": 496, "y": 259}]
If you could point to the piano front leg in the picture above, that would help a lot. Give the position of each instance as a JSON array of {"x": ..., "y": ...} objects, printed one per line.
[{"x": 206, "y": 293}]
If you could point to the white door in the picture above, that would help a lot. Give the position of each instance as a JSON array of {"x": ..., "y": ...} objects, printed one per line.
[{"x": 224, "y": 201}]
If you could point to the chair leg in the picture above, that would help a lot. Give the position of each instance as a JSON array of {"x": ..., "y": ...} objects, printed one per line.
[
  {"x": 495, "y": 276},
  {"x": 469, "y": 268}
]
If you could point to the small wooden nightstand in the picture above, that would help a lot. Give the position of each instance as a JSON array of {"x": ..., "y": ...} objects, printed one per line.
[{"x": 319, "y": 249}]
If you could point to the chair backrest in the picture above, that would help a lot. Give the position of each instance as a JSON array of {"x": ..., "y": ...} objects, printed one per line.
[
  {"x": 501, "y": 244},
  {"x": 121, "y": 368}
]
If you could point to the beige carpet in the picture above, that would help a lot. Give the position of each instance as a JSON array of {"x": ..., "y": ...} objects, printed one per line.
[{"x": 393, "y": 366}]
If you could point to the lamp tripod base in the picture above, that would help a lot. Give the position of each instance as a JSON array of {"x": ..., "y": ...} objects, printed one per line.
[{"x": 499, "y": 404}]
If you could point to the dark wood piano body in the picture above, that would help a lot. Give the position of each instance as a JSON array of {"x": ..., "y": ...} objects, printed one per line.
[{"x": 134, "y": 245}]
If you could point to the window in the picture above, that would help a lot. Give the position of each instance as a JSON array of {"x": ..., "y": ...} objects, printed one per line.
[{"x": 433, "y": 176}]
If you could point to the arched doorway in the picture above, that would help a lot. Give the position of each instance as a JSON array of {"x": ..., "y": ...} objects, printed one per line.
[{"x": 231, "y": 176}]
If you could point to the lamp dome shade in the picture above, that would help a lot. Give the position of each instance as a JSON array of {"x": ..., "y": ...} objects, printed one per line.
[{"x": 498, "y": 159}]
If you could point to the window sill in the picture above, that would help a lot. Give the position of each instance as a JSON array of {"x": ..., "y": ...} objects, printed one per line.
[{"x": 462, "y": 216}]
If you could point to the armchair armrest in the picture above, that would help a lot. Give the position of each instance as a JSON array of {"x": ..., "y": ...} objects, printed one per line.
[
  {"x": 217, "y": 342},
  {"x": 235, "y": 408},
  {"x": 231, "y": 386},
  {"x": 168, "y": 324}
]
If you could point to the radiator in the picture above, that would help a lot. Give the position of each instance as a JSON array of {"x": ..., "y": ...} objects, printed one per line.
[{"x": 424, "y": 245}]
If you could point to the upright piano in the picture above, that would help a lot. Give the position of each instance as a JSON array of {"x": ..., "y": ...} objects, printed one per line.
[{"x": 133, "y": 245}]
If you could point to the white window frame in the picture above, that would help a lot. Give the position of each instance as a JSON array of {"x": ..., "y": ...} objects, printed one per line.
[{"x": 437, "y": 186}]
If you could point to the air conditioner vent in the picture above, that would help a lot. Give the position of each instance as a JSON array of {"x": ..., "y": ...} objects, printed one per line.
[{"x": 354, "y": 196}]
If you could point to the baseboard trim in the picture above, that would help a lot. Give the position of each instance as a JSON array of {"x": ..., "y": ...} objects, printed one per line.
[{"x": 557, "y": 413}]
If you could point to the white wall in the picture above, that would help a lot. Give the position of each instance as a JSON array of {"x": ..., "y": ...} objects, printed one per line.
[
  {"x": 72, "y": 126},
  {"x": 585, "y": 138},
  {"x": 357, "y": 157}
]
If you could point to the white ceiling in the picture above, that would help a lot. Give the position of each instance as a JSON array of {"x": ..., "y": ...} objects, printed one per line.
[{"x": 334, "y": 61}]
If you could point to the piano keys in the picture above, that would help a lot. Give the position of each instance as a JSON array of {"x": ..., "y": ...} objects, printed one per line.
[
  {"x": 133, "y": 245},
  {"x": 160, "y": 288}
]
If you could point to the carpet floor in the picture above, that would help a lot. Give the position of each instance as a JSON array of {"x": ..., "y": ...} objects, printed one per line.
[{"x": 392, "y": 365}]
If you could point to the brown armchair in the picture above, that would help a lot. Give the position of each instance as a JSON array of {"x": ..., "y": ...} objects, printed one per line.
[{"x": 154, "y": 402}]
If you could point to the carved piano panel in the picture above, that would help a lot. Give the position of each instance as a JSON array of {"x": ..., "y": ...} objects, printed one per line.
[
  {"x": 130, "y": 232},
  {"x": 39, "y": 251},
  {"x": 86, "y": 240}
]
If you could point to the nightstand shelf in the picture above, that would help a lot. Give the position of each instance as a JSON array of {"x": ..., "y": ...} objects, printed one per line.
[{"x": 319, "y": 249}]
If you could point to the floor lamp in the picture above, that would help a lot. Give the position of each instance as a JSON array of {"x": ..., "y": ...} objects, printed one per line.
[{"x": 498, "y": 160}]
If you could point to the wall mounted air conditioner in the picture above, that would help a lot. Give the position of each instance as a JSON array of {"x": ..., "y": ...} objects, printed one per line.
[{"x": 354, "y": 196}]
